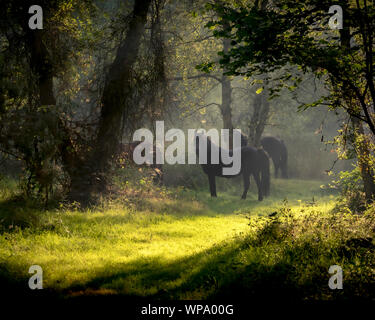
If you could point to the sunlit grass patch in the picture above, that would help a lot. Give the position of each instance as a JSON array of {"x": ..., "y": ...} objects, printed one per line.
[
  {"x": 191, "y": 246},
  {"x": 84, "y": 242}
]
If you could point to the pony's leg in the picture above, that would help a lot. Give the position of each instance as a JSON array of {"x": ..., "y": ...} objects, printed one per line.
[
  {"x": 277, "y": 166},
  {"x": 259, "y": 186},
  {"x": 246, "y": 184},
  {"x": 212, "y": 182},
  {"x": 284, "y": 172}
]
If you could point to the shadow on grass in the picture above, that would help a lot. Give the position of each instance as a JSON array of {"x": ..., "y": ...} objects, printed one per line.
[{"x": 215, "y": 273}]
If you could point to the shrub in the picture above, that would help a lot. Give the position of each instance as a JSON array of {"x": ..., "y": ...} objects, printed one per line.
[
  {"x": 308, "y": 241},
  {"x": 351, "y": 188}
]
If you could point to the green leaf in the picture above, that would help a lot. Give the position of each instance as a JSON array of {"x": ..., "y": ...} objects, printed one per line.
[{"x": 259, "y": 91}]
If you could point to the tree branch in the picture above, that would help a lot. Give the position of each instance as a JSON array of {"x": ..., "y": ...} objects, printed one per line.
[
  {"x": 203, "y": 75},
  {"x": 202, "y": 107}
]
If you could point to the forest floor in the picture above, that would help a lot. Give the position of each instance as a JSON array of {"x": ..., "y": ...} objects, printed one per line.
[{"x": 181, "y": 244}]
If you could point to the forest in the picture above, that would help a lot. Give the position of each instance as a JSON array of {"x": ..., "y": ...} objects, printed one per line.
[{"x": 106, "y": 105}]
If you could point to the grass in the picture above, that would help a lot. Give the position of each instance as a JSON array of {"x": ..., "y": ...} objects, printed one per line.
[{"x": 181, "y": 244}]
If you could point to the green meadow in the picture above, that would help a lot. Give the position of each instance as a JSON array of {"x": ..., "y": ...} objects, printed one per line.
[{"x": 178, "y": 243}]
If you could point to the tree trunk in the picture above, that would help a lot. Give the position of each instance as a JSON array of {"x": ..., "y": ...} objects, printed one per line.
[
  {"x": 40, "y": 62},
  {"x": 118, "y": 88},
  {"x": 363, "y": 155},
  {"x": 40, "y": 58},
  {"x": 261, "y": 105},
  {"x": 360, "y": 141},
  {"x": 226, "y": 99},
  {"x": 225, "y": 108},
  {"x": 116, "y": 104},
  {"x": 41, "y": 65},
  {"x": 259, "y": 118}
]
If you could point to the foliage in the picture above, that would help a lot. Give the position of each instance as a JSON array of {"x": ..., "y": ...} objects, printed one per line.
[
  {"x": 350, "y": 181},
  {"x": 288, "y": 39},
  {"x": 31, "y": 132},
  {"x": 288, "y": 34},
  {"x": 308, "y": 241},
  {"x": 351, "y": 189}
]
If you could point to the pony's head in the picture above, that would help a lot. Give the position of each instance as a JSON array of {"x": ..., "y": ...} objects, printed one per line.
[{"x": 244, "y": 140}]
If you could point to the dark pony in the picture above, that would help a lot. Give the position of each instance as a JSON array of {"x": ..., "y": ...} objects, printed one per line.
[
  {"x": 253, "y": 162},
  {"x": 126, "y": 157},
  {"x": 279, "y": 154}
]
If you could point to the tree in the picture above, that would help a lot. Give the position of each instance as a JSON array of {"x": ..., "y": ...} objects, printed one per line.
[
  {"x": 49, "y": 133},
  {"x": 294, "y": 36},
  {"x": 90, "y": 174},
  {"x": 29, "y": 61}
]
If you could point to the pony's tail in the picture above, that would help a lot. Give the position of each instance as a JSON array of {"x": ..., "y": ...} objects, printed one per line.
[
  {"x": 265, "y": 172},
  {"x": 284, "y": 161}
]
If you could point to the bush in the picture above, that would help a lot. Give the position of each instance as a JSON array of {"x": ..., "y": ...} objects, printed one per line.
[
  {"x": 352, "y": 192},
  {"x": 308, "y": 241}
]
